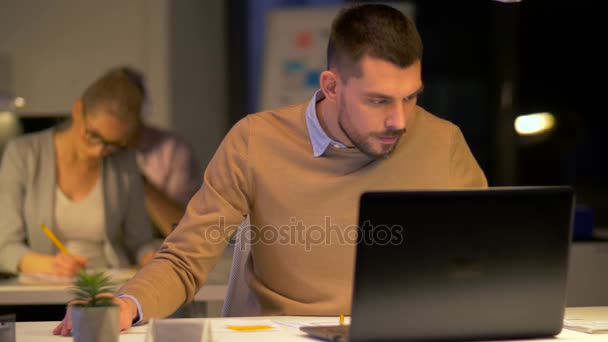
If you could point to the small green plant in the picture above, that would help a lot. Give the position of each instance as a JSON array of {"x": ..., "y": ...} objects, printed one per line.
[{"x": 88, "y": 287}]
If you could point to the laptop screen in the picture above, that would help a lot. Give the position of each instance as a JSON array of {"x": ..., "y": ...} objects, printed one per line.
[{"x": 462, "y": 264}]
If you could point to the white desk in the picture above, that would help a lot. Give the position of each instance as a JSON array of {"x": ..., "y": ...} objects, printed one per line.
[
  {"x": 42, "y": 331},
  {"x": 12, "y": 293}
]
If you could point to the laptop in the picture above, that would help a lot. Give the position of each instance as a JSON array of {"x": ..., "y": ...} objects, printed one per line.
[{"x": 459, "y": 265}]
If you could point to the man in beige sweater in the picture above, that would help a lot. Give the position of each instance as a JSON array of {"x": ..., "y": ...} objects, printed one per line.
[{"x": 298, "y": 173}]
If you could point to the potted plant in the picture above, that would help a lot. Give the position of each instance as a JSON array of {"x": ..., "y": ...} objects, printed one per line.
[{"x": 94, "y": 315}]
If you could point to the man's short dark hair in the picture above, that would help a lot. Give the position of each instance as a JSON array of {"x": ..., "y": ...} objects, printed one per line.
[{"x": 376, "y": 30}]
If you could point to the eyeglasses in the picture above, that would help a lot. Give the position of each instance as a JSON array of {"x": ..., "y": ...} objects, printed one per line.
[{"x": 95, "y": 139}]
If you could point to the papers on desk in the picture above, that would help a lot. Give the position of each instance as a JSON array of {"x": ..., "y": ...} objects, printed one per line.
[
  {"x": 44, "y": 279},
  {"x": 203, "y": 330},
  {"x": 118, "y": 275},
  {"x": 228, "y": 329},
  {"x": 587, "y": 326},
  {"x": 308, "y": 323}
]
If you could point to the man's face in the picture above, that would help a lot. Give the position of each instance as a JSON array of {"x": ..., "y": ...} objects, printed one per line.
[{"x": 373, "y": 109}]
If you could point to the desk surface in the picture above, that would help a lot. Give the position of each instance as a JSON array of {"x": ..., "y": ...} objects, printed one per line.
[
  {"x": 42, "y": 331},
  {"x": 13, "y": 293}
]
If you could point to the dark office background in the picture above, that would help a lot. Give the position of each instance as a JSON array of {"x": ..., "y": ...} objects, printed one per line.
[{"x": 486, "y": 62}]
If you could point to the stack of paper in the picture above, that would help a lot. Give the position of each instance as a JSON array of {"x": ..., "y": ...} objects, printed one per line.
[
  {"x": 587, "y": 326},
  {"x": 118, "y": 276},
  {"x": 44, "y": 279}
]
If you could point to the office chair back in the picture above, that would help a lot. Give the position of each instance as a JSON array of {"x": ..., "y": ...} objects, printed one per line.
[{"x": 240, "y": 300}]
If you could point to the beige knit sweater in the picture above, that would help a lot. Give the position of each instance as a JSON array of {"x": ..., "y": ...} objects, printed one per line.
[{"x": 300, "y": 207}]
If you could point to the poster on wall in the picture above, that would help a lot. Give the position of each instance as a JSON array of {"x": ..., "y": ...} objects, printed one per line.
[{"x": 295, "y": 52}]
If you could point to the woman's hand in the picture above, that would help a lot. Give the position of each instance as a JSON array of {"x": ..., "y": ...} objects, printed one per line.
[{"x": 61, "y": 264}]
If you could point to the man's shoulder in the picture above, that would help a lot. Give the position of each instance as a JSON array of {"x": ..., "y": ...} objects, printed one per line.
[
  {"x": 280, "y": 114},
  {"x": 284, "y": 119},
  {"x": 429, "y": 122},
  {"x": 429, "y": 130}
]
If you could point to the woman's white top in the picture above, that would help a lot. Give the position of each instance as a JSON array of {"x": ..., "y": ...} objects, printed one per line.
[{"x": 82, "y": 224}]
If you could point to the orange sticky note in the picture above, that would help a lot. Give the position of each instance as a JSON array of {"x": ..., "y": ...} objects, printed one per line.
[{"x": 249, "y": 327}]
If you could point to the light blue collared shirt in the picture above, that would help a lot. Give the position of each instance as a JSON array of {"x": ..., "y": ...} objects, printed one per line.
[{"x": 318, "y": 138}]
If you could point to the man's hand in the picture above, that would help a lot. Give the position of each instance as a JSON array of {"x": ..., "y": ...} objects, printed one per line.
[{"x": 126, "y": 307}]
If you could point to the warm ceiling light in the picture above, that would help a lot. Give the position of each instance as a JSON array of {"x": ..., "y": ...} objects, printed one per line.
[
  {"x": 532, "y": 124},
  {"x": 19, "y": 102},
  {"x": 7, "y": 119}
]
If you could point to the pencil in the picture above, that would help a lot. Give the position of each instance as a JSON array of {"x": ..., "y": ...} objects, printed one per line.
[
  {"x": 341, "y": 319},
  {"x": 53, "y": 238}
]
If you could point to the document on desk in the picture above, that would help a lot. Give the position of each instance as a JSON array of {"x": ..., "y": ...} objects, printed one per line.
[
  {"x": 203, "y": 330},
  {"x": 118, "y": 275},
  {"x": 586, "y": 326},
  {"x": 44, "y": 279},
  {"x": 318, "y": 323}
]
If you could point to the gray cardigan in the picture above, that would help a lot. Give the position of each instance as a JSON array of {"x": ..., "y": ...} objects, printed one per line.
[{"x": 27, "y": 199}]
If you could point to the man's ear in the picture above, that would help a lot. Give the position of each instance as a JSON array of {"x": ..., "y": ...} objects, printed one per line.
[
  {"x": 329, "y": 84},
  {"x": 77, "y": 110}
]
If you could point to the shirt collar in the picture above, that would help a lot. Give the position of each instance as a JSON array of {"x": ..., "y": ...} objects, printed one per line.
[{"x": 318, "y": 138}]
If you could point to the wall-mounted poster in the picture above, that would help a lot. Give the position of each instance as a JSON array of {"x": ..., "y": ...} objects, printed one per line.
[{"x": 295, "y": 53}]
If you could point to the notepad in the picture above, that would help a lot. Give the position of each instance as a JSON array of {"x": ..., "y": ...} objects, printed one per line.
[
  {"x": 118, "y": 275},
  {"x": 587, "y": 326},
  {"x": 309, "y": 323},
  {"x": 44, "y": 279}
]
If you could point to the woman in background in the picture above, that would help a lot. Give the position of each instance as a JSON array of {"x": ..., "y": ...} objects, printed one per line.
[{"x": 79, "y": 180}]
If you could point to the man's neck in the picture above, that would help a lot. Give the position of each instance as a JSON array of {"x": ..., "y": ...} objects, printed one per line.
[{"x": 327, "y": 114}]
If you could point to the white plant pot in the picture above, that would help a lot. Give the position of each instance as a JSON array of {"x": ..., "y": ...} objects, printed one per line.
[{"x": 95, "y": 324}]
